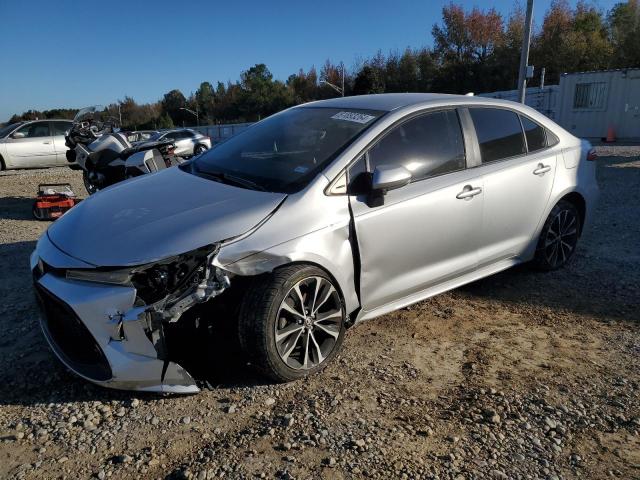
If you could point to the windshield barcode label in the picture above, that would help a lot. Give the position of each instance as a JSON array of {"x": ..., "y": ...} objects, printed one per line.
[{"x": 353, "y": 117}]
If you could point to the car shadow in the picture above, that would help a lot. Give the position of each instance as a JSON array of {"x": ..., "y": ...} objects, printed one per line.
[
  {"x": 578, "y": 289},
  {"x": 16, "y": 208}
]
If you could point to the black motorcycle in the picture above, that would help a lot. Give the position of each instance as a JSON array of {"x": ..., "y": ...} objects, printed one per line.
[{"x": 106, "y": 156}]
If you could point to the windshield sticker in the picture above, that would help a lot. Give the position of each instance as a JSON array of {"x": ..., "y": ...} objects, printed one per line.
[
  {"x": 301, "y": 169},
  {"x": 353, "y": 117}
]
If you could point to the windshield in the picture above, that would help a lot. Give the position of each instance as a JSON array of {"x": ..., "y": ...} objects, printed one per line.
[
  {"x": 7, "y": 129},
  {"x": 88, "y": 113},
  {"x": 286, "y": 151}
]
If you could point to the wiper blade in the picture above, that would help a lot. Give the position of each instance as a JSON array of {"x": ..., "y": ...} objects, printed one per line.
[
  {"x": 231, "y": 180},
  {"x": 245, "y": 182}
]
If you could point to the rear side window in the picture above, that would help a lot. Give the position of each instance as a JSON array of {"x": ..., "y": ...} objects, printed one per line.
[
  {"x": 59, "y": 128},
  {"x": 499, "y": 133},
  {"x": 175, "y": 136},
  {"x": 534, "y": 133},
  {"x": 427, "y": 146}
]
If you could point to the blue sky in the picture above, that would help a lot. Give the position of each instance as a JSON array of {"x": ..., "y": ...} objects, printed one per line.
[{"x": 71, "y": 54}]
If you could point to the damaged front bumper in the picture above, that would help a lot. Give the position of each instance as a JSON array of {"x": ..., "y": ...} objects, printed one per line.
[{"x": 101, "y": 333}]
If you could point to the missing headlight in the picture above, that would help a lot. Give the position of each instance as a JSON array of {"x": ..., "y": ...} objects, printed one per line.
[{"x": 171, "y": 276}]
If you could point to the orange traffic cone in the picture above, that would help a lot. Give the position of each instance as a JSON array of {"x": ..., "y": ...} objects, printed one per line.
[{"x": 611, "y": 134}]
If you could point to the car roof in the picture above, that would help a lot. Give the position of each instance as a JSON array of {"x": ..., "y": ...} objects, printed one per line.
[{"x": 393, "y": 101}]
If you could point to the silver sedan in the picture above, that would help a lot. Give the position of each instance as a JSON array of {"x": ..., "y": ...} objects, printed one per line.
[
  {"x": 188, "y": 142},
  {"x": 308, "y": 222}
]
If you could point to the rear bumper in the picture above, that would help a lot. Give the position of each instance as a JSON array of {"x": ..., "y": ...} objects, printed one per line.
[{"x": 95, "y": 330}]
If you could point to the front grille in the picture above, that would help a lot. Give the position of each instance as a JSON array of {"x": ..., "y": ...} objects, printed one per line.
[{"x": 70, "y": 339}]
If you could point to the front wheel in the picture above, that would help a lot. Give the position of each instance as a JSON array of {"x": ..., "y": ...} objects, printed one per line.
[
  {"x": 559, "y": 237},
  {"x": 292, "y": 322},
  {"x": 88, "y": 184},
  {"x": 199, "y": 149}
]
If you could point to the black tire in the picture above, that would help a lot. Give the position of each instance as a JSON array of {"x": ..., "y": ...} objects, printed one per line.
[
  {"x": 199, "y": 149},
  {"x": 88, "y": 184},
  {"x": 556, "y": 250},
  {"x": 262, "y": 313},
  {"x": 3, "y": 167}
]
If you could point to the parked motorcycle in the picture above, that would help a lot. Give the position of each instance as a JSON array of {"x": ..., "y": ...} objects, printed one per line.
[{"x": 106, "y": 156}]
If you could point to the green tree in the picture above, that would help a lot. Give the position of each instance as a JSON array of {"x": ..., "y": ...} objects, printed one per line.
[
  {"x": 205, "y": 99},
  {"x": 368, "y": 80},
  {"x": 172, "y": 102},
  {"x": 571, "y": 40},
  {"x": 164, "y": 121},
  {"x": 624, "y": 30}
]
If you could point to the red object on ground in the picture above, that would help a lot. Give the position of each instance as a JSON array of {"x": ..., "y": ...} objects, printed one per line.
[{"x": 53, "y": 201}]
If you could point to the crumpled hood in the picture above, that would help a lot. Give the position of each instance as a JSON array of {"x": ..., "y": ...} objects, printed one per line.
[{"x": 156, "y": 216}]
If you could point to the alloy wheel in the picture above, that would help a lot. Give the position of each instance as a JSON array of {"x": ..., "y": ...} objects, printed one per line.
[
  {"x": 561, "y": 238},
  {"x": 308, "y": 324}
]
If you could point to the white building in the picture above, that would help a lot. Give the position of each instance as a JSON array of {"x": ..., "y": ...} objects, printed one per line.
[{"x": 588, "y": 103}]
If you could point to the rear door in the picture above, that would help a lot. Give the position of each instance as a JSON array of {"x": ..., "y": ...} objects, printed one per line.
[
  {"x": 35, "y": 147},
  {"x": 58, "y": 129},
  {"x": 425, "y": 233},
  {"x": 518, "y": 170}
]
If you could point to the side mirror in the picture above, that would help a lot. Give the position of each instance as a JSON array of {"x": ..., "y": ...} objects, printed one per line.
[
  {"x": 385, "y": 178},
  {"x": 389, "y": 177},
  {"x": 17, "y": 135}
]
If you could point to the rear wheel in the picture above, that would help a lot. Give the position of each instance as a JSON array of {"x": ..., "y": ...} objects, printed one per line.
[
  {"x": 559, "y": 237},
  {"x": 292, "y": 322},
  {"x": 199, "y": 149}
]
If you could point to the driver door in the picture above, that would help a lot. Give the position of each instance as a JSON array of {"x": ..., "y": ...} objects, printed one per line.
[
  {"x": 425, "y": 233},
  {"x": 31, "y": 146}
]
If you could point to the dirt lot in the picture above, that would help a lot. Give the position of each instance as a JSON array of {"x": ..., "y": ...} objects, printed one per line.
[{"x": 522, "y": 375}]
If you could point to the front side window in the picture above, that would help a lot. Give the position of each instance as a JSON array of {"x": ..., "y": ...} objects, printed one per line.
[
  {"x": 534, "y": 133},
  {"x": 35, "y": 130},
  {"x": 499, "y": 133},
  {"x": 283, "y": 153},
  {"x": 427, "y": 146}
]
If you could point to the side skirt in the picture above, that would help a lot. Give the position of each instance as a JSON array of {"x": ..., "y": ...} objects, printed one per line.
[{"x": 440, "y": 288}]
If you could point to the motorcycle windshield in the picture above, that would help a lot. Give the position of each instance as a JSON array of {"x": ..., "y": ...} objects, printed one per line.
[{"x": 93, "y": 112}]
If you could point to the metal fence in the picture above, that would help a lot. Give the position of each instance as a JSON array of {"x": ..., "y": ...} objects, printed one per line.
[
  {"x": 220, "y": 133},
  {"x": 543, "y": 100}
]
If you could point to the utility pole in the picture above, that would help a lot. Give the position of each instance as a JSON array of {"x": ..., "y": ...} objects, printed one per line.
[
  {"x": 120, "y": 115},
  {"x": 524, "y": 55},
  {"x": 342, "y": 65}
]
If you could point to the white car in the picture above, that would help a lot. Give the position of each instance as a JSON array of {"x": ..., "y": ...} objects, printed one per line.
[{"x": 33, "y": 144}]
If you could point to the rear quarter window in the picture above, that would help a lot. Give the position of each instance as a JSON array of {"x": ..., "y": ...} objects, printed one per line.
[{"x": 534, "y": 133}]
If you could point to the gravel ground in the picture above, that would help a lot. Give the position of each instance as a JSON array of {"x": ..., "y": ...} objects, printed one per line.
[{"x": 521, "y": 375}]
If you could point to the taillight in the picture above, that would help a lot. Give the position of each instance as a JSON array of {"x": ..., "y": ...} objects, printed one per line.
[{"x": 591, "y": 155}]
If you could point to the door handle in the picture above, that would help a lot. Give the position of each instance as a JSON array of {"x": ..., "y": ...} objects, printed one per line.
[
  {"x": 47, "y": 143},
  {"x": 468, "y": 192},
  {"x": 542, "y": 169}
]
